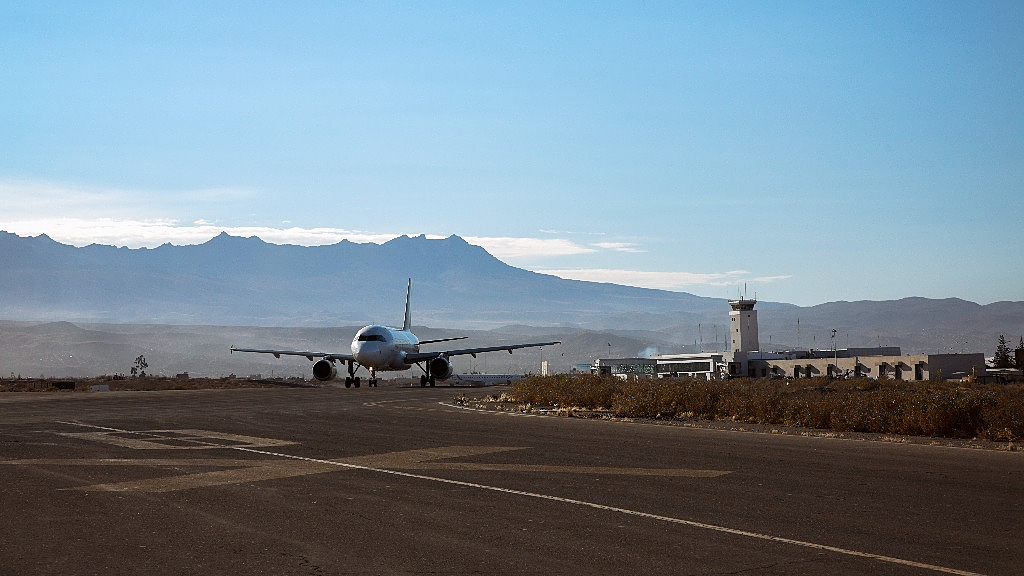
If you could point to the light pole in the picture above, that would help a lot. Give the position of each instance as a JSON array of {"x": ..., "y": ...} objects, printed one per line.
[{"x": 835, "y": 353}]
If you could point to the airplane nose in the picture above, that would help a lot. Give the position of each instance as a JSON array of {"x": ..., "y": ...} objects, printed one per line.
[{"x": 365, "y": 353}]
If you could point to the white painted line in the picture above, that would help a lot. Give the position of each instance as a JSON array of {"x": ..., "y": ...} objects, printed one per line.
[
  {"x": 594, "y": 505},
  {"x": 647, "y": 515}
]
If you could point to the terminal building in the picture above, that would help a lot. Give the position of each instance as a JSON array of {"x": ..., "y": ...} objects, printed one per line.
[
  {"x": 745, "y": 359},
  {"x": 705, "y": 365}
]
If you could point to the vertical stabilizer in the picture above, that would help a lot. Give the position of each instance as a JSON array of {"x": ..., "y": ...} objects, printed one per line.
[{"x": 408, "y": 312}]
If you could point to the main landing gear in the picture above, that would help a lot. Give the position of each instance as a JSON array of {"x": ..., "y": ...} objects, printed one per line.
[
  {"x": 351, "y": 381},
  {"x": 426, "y": 378}
]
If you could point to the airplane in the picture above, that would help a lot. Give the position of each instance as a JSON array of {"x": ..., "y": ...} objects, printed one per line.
[{"x": 376, "y": 347}]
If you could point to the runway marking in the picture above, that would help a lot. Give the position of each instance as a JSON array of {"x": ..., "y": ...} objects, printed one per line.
[
  {"x": 173, "y": 439},
  {"x": 584, "y": 503},
  {"x": 241, "y": 471},
  {"x": 425, "y": 459}
]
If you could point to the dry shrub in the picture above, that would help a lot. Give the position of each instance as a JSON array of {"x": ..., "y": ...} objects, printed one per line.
[
  {"x": 993, "y": 412},
  {"x": 808, "y": 412},
  {"x": 647, "y": 399},
  {"x": 747, "y": 400},
  {"x": 592, "y": 392},
  {"x": 1004, "y": 416},
  {"x": 945, "y": 412}
]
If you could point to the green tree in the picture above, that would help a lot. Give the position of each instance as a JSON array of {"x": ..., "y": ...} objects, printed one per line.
[
  {"x": 1002, "y": 358},
  {"x": 1018, "y": 354}
]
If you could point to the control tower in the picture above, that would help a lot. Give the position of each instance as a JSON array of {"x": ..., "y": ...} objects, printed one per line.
[{"x": 743, "y": 326}]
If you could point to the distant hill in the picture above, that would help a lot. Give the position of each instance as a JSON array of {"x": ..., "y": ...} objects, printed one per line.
[
  {"x": 245, "y": 281},
  {"x": 232, "y": 281}
]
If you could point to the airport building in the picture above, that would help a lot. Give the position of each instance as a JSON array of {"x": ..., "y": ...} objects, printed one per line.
[
  {"x": 862, "y": 363},
  {"x": 626, "y": 367},
  {"x": 709, "y": 365},
  {"x": 746, "y": 359}
]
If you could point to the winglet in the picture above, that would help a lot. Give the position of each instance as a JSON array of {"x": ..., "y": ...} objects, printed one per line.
[{"x": 408, "y": 312}]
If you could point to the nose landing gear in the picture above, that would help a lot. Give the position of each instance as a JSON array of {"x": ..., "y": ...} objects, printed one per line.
[{"x": 354, "y": 380}]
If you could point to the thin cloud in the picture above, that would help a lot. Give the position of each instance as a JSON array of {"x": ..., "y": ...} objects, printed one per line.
[
  {"x": 629, "y": 247},
  {"x": 35, "y": 200},
  {"x": 309, "y": 236},
  {"x": 675, "y": 281},
  {"x": 524, "y": 248},
  {"x": 24, "y": 199},
  {"x": 770, "y": 279}
]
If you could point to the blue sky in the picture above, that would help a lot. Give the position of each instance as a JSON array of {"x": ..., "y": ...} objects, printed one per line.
[{"x": 814, "y": 151}]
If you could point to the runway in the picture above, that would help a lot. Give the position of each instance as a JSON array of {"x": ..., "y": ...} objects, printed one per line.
[{"x": 397, "y": 481}]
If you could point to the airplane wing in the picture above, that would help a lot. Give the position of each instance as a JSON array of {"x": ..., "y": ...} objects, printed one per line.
[
  {"x": 443, "y": 340},
  {"x": 421, "y": 356},
  {"x": 309, "y": 355}
]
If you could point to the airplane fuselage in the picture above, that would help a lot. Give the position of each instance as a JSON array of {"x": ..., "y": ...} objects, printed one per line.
[{"x": 381, "y": 348}]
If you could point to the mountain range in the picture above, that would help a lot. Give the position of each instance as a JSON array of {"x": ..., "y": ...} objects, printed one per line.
[{"x": 245, "y": 282}]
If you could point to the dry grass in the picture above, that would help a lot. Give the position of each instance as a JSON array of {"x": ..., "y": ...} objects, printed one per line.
[{"x": 937, "y": 409}]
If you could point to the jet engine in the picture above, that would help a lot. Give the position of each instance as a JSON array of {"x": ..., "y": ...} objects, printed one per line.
[
  {"x": 324, "y": 370},
  {"x": 440, "y": 368}
]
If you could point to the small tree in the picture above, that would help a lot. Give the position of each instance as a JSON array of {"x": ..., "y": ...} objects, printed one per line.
[
  {"x": 1002, "y": 358},
  {"x": 139, "y": 368},
  {"x": 1018, "y": 354}
]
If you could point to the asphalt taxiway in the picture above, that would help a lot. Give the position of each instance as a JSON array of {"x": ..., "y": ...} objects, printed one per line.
[{"x": 393, "y": 481}]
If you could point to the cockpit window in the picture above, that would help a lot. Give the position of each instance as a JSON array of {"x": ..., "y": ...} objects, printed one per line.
[{"x": 371, "y": 338}]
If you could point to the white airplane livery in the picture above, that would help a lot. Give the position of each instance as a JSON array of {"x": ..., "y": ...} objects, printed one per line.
[{"x": 377, "y": 347}]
